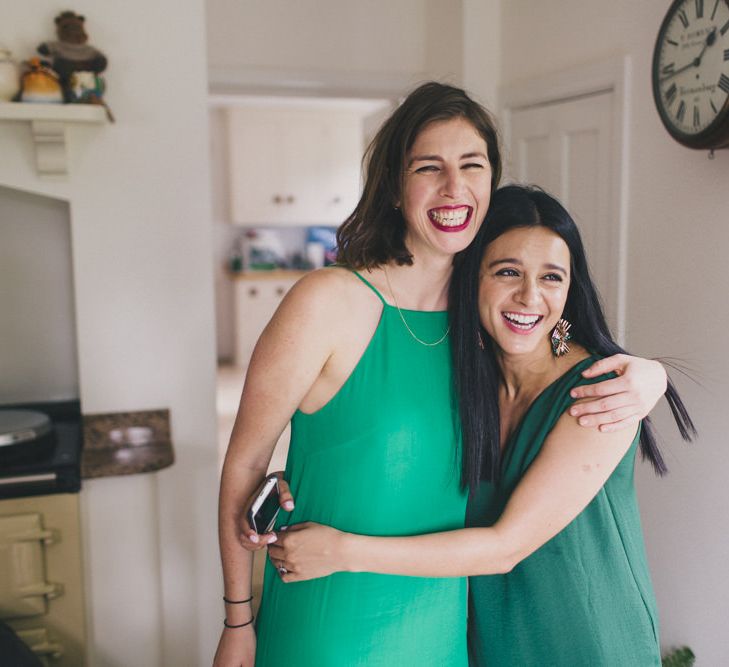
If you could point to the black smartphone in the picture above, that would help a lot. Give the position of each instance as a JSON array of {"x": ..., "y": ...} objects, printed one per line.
[{"x": 264, "y": 510}]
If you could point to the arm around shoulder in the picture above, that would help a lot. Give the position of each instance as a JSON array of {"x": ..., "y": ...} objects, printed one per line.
[{"x": 571, "y": 468}]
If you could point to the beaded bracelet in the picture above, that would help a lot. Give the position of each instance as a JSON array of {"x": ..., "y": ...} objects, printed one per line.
[
  {"x": 242, "y": 625},
  {"x": 227, "y": 601}
]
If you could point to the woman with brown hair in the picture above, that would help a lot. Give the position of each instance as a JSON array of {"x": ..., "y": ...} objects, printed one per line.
[{"x": 358, "y": 358}]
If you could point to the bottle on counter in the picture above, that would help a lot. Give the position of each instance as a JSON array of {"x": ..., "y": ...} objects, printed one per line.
[{"x": 235, "y": 258}]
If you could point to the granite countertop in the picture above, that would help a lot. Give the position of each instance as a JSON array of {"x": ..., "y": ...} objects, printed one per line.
[{"x": 126, "y": 443}]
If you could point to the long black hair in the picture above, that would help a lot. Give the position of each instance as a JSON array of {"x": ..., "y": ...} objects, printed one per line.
[{"x": 476, "y": 371}]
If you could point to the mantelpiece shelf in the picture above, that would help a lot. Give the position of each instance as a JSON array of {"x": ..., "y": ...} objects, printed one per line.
[{"x": 48, "y": 125}]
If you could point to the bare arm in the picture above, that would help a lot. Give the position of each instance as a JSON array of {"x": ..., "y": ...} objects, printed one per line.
[
  {"x": 570, "y": 469},
  {"x": 288, "y": 359},
  {"x": 622, "y": 401}
]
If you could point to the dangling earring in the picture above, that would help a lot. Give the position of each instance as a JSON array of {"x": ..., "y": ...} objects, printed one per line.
[
  {"x": 560, "y": 335},
  {"x": 480, "y": 339}
]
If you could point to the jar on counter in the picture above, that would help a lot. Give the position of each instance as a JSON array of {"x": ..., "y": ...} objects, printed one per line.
[{"x": 9, "y": 76}]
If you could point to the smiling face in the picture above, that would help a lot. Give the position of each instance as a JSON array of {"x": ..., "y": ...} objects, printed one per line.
[
  {"x": 525, "y": 278},
  {"x": 446, "y": 188}
]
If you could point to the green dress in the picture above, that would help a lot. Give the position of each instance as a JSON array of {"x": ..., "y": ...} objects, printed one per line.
[
  {"x": 584, "y": 598},
  {"x": 381, "y": 458}
]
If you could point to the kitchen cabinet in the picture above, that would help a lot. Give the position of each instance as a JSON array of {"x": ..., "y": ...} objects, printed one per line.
[
  {"x": 256, "y": 300},
  {"x": 293, "y": 166}
]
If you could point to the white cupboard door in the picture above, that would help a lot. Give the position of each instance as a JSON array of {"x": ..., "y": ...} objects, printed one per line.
[
  {"x": 567, "y": 148},
  {"x": 304, "y": 170},
  {"x": 256, "y": 159},
  {"x": 343, "y": 143}
]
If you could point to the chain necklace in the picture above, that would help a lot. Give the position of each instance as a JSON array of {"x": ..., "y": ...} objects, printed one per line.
[{"x": 404, "y": 321}]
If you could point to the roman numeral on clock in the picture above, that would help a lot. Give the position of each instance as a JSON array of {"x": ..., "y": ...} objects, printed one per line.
[
  {"x": 671, "y": 94},
  {"x": 713, "y": 106},
  {"x": 724, "y": 28},
  {"x": 713, "y": 13},
  {"x": 726, "y": 54},
  {"x": 670, "y": 41},
  {"x": 668, "y": 69},
  {"x": 684, "y": 19},
  {"x": 699, "y": 9},
  {"x": 697, "y": 118},
  {"x": 681, "y": 111},
  {"x": 724, "y": 83}
]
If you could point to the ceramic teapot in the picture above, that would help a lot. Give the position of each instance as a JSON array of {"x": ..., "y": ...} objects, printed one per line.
[{"x": 9, "y": 76}]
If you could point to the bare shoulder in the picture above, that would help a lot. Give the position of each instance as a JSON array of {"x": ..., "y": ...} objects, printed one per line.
[{"x": 332, "y": 293}]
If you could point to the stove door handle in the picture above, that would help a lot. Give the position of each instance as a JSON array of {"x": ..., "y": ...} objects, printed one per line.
[
  {"x": 47, "y": 536},
  {"x": 47, "y": 589}
]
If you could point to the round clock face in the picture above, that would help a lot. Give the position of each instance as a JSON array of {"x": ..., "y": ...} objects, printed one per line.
[{"x": 691, "y": 72}]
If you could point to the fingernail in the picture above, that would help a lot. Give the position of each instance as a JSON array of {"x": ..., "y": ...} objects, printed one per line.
[
  {"x": 573, "y": 393},
  {"x": 283, "y": 528},
  {"x": 583, "y": 421},
  {"x": 573, "y": 411},
  {"x": 288, "y": 505},
  {"x": 253, "y": 538},
  {"x": 273, "y": 538}
]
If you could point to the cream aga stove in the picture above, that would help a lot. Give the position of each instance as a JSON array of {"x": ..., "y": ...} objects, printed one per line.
[{"x": 41, "y": 587}]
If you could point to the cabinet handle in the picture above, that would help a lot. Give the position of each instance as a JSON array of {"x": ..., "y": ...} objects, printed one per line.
[
  {"x": 277, "y": 199},
  {"x": 290, "y": 199},
  {"x": 280, "y": 291},
  {"x": 252, "y": 291}
]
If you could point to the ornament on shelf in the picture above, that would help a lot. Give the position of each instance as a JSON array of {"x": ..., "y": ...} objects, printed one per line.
[
  {"x": 79, "y": 65},
  {"x": 39, "y": 83},
  {"x": 9, "y": 76}
]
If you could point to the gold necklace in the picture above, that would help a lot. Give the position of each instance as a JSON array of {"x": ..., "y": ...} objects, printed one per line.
[{"x": 404, "y": 321}]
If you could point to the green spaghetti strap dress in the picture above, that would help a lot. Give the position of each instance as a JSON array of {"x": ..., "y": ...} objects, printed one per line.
[
  {"x": 584, "y": 598},
  {"x": 381, "y": 458}
]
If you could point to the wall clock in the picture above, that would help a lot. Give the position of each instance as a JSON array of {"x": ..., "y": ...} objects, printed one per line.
[{"x": 691, "y": 73}]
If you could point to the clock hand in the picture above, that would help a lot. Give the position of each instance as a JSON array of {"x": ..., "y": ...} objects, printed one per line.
[{"x": 710, "y": 39}]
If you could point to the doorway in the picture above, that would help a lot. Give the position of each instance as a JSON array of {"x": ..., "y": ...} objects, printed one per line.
[{"x": 567, "y": 133}]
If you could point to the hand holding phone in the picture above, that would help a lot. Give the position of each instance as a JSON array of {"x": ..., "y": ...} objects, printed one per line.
[{"x": 264, "y": 509}]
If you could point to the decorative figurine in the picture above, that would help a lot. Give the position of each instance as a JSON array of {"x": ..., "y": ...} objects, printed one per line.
[
  {"x": 9, "y": 76},
  {"x": 78, "y": 64},
  {"x": 39, "y": 83}
]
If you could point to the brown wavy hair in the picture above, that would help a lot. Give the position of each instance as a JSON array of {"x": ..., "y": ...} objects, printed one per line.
[{"x": 374, "y": 233}]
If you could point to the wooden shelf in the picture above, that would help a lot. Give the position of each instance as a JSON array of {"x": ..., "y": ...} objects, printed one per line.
[{"x": 48, "y": 125}]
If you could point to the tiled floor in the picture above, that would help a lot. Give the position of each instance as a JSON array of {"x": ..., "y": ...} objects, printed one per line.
[{"x": 229, "y": 387}]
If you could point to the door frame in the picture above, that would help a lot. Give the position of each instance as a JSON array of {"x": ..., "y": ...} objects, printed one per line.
[{"x": 610, "y": 75}]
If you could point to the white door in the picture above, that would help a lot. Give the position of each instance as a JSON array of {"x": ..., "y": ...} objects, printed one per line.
[{"x": 567, "y": 148}]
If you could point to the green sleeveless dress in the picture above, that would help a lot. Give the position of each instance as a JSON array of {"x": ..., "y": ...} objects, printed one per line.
[
  {"x": 584, "y": 598},
  {"x": 381, "y": 458}
]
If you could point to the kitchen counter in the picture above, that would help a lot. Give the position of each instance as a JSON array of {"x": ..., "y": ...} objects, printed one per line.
[{"x": 126, "y": 443}]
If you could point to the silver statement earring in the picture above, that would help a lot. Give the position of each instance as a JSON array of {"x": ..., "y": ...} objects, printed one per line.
[
  {"x": 560, "y": 337},
  {"x": 480, "y": 339}
]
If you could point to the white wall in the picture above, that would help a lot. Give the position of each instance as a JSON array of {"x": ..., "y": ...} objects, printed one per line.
[
  {"x": 332, "y": 47},
  {"x": 141, "y": 244},
  {"x": 481, "y": 20},
  {"x": 677, "y": 304}
]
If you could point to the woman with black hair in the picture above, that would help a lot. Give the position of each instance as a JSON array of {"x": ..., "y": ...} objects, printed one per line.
[{"x": 552, "y": 514}]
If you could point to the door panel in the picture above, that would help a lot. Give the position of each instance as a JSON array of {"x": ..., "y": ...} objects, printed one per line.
[{"x": 566, "y": 147}]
